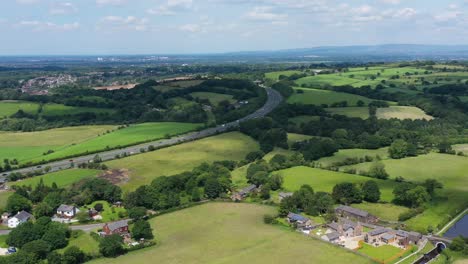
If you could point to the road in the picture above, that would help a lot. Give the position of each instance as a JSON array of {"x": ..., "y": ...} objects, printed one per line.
[{"x": 274, "y": 99}]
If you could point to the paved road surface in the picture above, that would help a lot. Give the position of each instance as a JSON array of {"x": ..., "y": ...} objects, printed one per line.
[{"x": 274, "y": 99}]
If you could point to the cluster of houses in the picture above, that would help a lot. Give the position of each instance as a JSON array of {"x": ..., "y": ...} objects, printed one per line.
[{"x": 349, "y": 229}]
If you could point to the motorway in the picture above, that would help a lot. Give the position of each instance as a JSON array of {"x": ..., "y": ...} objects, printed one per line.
[{"x": 274, "y": 99}]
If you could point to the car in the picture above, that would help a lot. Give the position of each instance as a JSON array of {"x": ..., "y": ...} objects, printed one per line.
[{"x": 11, "y": 250}]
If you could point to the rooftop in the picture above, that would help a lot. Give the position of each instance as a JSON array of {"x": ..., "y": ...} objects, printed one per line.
[
  {"x": 333, "y": 236},
  {"x": 352, "y": 210},
  {"x": 378, "y": 231},
  {"x": 23, "y": 216},
  {"x": 297, "y": 217},
  {"x": 116, "y": 225},
  {"x": 65, "y": 208}
]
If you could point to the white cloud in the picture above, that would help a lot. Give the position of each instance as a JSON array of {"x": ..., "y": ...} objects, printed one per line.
[
  {"x": 123, "y": 23},
  {"x": 405, "y": 13},
  {"x": 44, "y": 26},
  {"x": 392, "y": 2},
  {"x": 27, "y": 2},
  {"x": 171, "y": 7},
  {"x": 110, "y": 2},
  {"x": 63, "y": 9},
  {"x": 265, "y": 13},
  {"x": 447, "y": 16},
  {"x": 192, "y": 28}
]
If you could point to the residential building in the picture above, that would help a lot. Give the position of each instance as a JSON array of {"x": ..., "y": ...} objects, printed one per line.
[
  {"x": 299, "y": 220},
  {"x": 283, "y": 195},
  {"x": 356, "y": 214},
  {"x": 388, "y": 238},
  {"x": 67, "y": 211},
  {"x": 347, "y": 229},
  {"x": 333, "y": 237},
  {"x": 374, "y": 235},
  {"x": 19, "y": 218},
  {"x": 119, "y": 227}
]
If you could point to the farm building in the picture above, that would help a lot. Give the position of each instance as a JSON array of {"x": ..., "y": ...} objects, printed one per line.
[
  {"x": 348, "y": 229},
  {"x": 283, "y": 195},
  {"x": 374, "y": 235},
  {"x": 299, "y": 220},
  {"x": 119, "y": 227},
  {"x": 333, "y": 237},
  {"x": 242, "y": 194},
  {"x": 19, "y": 218},
  {"x": 357, "y": 214}
]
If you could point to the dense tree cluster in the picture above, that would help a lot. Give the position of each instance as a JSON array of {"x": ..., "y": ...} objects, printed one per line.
[
  {"x": 308, "y": 201},
  {"x": 266, "y": 132}
]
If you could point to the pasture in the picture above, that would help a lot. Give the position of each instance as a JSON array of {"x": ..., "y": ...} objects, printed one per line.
[
  {"x": 60, "y": 110},
  {"x": 385, "y": 211},
  {"x": 31, "y": 146},
  {"x": 8, "y": 108},
  {"x": 319, "y": 97},
  {"x": 84, "y": 241},
  {"x": 61, "y": 178},
  {"x": 292, "y": 138},
  {"x": 324, "y": 180},
  {"x": 184, "y": 157},
  {"x": 214, "y": 98},
  {"x": 461, "y": 148},
  {"x": 398, "y": 112},
  {"x": 274, "y": 76},
  {"x": 231, "y": 233},
  {"x": 450, "y": 170},
  {"x": 343, "y": 154}
]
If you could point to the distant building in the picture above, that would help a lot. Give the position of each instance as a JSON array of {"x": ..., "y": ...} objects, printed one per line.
[
  {"x": 387, "y": 238},
  {"x": 357, "y": 214},
  {"x": 283, "y": 195},
  {"x": 299, "y": 220},
  {"x": 67, "y": 211},
  {"x": 333, "y": 237},
  {"x": 347, "y": 229},
  {"x": 119, "y": 227},
  {"x": 19, "y": 218},
  {"x": 242, "y": 194},
  {"x": 374, "y": 235}
]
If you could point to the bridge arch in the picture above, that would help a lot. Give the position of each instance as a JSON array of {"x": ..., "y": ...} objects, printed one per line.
[{"x": 441, "y": 246}]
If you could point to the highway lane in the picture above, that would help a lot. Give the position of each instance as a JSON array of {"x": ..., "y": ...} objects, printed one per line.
[{"x": 274, "y": 99}]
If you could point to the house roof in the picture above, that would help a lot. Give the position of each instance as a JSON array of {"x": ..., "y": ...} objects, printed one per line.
[
  {"x": 333, "y": 236},
  {"x": 402, "y": 233},
  {"x": 116, "y": 225},
  {"x": 23, "y": 216},
  {"x": 352, "y": 210},
  {"x": 333, "y": 226},
  {"x": 248, "y": 189},
  {"x": 378, "y": 231},
  {"x": 348, "y": 226},
  {"x": 297, "y": 217},
  {"x": 285, "y": 194},
  {"x": 387, "y": 236},
  {"x": 416, "y": 234},
  {"x": 66, "y": 208}
]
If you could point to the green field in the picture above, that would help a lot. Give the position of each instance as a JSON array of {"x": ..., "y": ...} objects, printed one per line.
[
  {"x": 319, "y": 97},
  {"x": 382, "y": 253},
  {"x": 60, "y": 110},
  {"x": 326, "y": 80},
  {"x": 274, "y": 76},
  {"x": 231, "y": 233},
  {"x": 214, "y": 98},
  {"x": 30, "y": 146},
  {"x": 324, "y": 180},
  {"x": 176, "y": 159},
  {"x": 84, "y": 241},
  {"x": 342, "y": 154},
  {"x": 8, "y": 108},
  {"x": 4, "y": 197},
  {"x": 385, "y": 211},
  {"x": 448, "y": 169},
  {"x": 109, "y": 213},
  {"x": 398, "y": 112},
  {"x": 292, "y": 138},
  {"x": 61, "y": 178}
]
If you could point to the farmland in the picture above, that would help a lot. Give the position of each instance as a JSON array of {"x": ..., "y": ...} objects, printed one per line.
[
  {"x": 214, "y": 98},
  {"x": 398, "y": 112},
  {"x": 324, "y": 180},
  {"x": 169, "y": 161},
  {"x": 274, "y": 76},
  {"x": 343, "y": 154},
  {"x": 450, "y": 170},
  {"x": 64, "y": 142},
  {"x": 8, "y": 108},
  {"x": 219, "y": 230},
  {"x": 61, "y": 178},
  {"x": 319, "y": 97}
]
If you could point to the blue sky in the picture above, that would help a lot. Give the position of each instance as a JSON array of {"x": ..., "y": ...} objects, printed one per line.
[{"x": 205, "y": 26}]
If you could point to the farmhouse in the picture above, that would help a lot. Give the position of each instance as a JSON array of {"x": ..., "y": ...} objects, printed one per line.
[
  {"x": 19, "y": 218},
  {"x": 283, "y": 195},
  {"x": 347, "y": 229},
  {"x": 333, "y": 237},
  {"x": 299, "y": 220},
  {"x": 357, "y": 214},
  {"x": 119, "y": 227},
  {"x": 239, "y": 196},
  {"x": 374, "y": 235},
  {"x": 67, "y": 211},
  {"x": 387, "y": 238}
]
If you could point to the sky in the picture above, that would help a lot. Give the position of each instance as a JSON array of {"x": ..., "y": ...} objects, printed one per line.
[{"x": 80, "y": 27}]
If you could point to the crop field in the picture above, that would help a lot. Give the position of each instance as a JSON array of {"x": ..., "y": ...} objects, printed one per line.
[
  {"x": 8, "y": 108},
  {"x": 231, "y": 233},
  {"x": 121, "y": 137},
  {"x": 274, "y": 76},
  {"x": 184, "y": 157},
  {"x": 450, "y": 170},
  {"x": 61, "y": 178},
  {"x": 324, "y": 180},
  {"x": 342, "y": 154},
  {"x": 30, "y": 146},
  {"x": 214, "y": 98},
  {"x": 319, "y": 97},
  {"x": 398, "y": 112}
]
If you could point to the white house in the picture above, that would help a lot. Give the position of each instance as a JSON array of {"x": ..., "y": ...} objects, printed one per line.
[
  {"x": 19, "y": 218},
  {"x": 67, "y": 211}
]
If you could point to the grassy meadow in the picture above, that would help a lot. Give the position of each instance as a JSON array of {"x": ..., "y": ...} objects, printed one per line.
[
  {"x": 231, "y": 233},
  {"x": 342, "y": 154},
  {"x": 30, "y": 146},
  {"x": 319, "y": 97},
  {"x": 398, "y": 112},
  {"x": 450, "y": 170},
  {"x": 184, "y": 157},
  {"x": 324, "y": 180},
  {"x": 461, "y": 148},
  {"x": 214, "y": 98},
  {"x": 8, "y": 108},
  {"x": 274, "y": 76},
  {"x": 61, "y": 178},
  {"x": 84, "y": 241},
  {"x": 293, "y": 137},
  {"x": 385, "y": 211}
]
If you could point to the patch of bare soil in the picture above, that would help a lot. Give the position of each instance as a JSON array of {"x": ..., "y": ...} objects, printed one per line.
[{"x": 116, "y": 176}]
